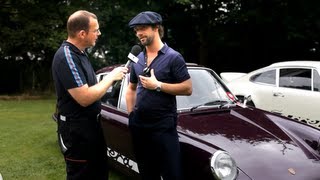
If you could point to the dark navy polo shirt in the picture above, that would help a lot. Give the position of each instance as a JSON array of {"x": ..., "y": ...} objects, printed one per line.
[
  {"x": 169, "y": 67},
  {"x": 71, "y": 68}
]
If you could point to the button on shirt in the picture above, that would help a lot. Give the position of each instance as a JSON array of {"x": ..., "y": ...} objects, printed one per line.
[{"x": 70, "y": 69}]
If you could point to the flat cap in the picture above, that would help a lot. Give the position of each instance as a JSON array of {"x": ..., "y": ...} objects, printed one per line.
[{"x": 146, "y": 18}]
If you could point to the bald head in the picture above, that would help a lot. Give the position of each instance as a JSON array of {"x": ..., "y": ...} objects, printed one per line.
[{"x": 78, "y": 21}]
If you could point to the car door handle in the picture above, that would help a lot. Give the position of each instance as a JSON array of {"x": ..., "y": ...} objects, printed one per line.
[{"x": 278, "y": 94}]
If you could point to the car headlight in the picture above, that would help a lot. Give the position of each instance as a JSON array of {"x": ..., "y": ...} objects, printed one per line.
[{"x": 223, "y": 166}]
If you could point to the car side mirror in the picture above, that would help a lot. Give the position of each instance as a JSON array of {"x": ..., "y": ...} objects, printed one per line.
[{"x": 247, "y": 99}]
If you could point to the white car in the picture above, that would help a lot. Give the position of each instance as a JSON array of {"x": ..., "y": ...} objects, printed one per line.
[{"x": 290, "y": 88}]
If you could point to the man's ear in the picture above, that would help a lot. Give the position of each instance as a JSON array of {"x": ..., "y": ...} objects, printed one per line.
[{"x": 82, "y": 34}]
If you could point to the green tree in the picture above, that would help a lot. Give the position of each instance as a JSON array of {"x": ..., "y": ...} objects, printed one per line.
[
  {"x": 223, "y": 35},
  {"x": 30, "y": 30}
]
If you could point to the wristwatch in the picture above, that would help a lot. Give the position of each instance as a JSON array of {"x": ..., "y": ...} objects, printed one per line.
[{"x": 158, "y": 88}]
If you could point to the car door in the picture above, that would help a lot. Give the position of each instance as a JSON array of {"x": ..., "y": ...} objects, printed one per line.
[
  {"x": 294, "y": 96},
  {"x": 261, "y": 88},
  {"x": 114, "y": 120}
]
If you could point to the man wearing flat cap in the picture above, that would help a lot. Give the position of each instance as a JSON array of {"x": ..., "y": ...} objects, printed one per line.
[{"x": 155, "y": 80}]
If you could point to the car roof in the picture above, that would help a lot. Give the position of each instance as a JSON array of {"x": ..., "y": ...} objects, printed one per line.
[
  {"x": 300, "y": 63},
  {"x": 289, "y": 64}
]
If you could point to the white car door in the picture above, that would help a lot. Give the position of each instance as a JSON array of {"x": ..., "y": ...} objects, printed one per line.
[
  {"x": 294, "y": 96},
  {"x": 261, "y": 88}
]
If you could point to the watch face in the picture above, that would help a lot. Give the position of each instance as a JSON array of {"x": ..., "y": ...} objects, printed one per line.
[{"x": 158, "y": 89}]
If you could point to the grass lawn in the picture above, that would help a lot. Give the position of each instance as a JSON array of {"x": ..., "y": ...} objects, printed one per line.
[{"x": 28, "y": 142}]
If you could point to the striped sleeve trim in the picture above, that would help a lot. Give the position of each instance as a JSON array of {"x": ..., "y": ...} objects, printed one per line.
[{"x": 72, "y": 66}]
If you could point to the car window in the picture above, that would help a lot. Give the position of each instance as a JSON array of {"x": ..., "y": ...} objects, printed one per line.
[
  {"x": 296, "y": 78},
  {"x": 205, "y": 88},
  {"x": 100, "y": 76},
  {"x": 316, "y": 81},
  {"x": 267, "y": 77},
  {"x": 112, "y": 94}
]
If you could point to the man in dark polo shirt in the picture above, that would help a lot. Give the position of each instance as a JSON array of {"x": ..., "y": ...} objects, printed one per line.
[
  {"x": 78, "y": 99},
  {"x": 155, "y": 80}
]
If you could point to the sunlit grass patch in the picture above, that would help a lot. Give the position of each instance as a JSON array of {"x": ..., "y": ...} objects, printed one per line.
[{"x": 28, "y": 144}]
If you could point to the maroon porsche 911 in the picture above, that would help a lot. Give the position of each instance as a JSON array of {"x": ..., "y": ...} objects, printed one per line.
[{"x": 220, "y": 138}]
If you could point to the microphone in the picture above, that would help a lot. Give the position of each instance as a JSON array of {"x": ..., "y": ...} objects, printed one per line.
[{"x": 132, "y": 57}]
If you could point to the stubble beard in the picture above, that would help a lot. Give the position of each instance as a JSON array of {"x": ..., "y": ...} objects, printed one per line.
[{"x": 148, "y": 41}]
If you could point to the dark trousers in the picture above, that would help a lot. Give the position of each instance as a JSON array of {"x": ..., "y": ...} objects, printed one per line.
[
  {"x": 157, "y": 152},
  {"x": 86, "y": 154}
]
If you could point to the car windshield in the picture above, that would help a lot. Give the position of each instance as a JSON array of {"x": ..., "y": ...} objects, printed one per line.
[{"x": 206, "y": 91}]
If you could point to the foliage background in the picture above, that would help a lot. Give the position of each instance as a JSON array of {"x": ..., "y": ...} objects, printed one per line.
[{"x": 223, "y": 35}]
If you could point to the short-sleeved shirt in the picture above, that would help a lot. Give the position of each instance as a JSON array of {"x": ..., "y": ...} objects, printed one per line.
[
  {"x": 169, "y": 67},
  {"x": 71, "y": 68}
]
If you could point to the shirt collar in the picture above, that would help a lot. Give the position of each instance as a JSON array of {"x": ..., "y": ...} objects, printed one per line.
[
  {"x": 163, "y": 50},
  {"x": 73, "y": 47}
]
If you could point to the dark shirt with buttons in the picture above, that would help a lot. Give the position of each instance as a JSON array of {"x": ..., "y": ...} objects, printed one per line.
[{"x": 153, "y": 106}]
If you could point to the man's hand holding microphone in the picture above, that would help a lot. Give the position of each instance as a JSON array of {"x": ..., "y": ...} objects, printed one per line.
[
  {"x": 117, "y": 74},
  {"x": 132, "y": 57}
]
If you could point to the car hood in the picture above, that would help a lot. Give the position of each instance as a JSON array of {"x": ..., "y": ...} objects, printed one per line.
[
  {"x": 258, "y": 144},
  {"x": 230, "y": 76}
]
